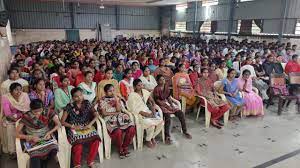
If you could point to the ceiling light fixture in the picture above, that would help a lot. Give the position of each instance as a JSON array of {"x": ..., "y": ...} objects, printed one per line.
[{"x": 101, "y": 6}]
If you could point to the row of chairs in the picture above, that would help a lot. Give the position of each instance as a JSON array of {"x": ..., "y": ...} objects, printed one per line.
[
  {"x": 280, "y": 80},
  {"x": 64, "y": 155},
  {"x": 104, "y": 151}
]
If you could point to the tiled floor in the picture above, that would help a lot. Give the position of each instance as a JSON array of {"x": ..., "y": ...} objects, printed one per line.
[{"x": 243, "y": 144}]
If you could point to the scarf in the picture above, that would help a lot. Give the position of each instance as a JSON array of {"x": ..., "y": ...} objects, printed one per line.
[{"x": 22, "y": 104}]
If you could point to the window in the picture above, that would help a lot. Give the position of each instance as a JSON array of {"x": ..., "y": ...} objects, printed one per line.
[
  {"x": 245, "y": 0},
  {"x": 181, "y": 7},
  {"x": 297, "y": 29},
  {"x": 206, "y": 27},
  {"x": 209, "y": 2},
  {"x": 238, "y": 26},
  {"x": 180, "y": 26},
  {"x": 255, "y": 29}
]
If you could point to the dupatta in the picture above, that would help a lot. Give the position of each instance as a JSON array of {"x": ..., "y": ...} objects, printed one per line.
[
  {"x": 137, "y": 103},
  {"x": 62, "y": 99},
  {"x": 22, "y": 104},
  {"x": 182, "y": 85},
  {"x": 89, "y": 93}
]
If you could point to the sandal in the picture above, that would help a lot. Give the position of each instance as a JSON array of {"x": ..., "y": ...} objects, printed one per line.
[
  {"x": 168, "y": 141},
  {"x": 187, "y": 135},
  {"x": 122, "y": 155},
  {"x": 216, "y": 125},
  {"x": 126, "y": 152},
  {"x": 153, "y": 142},
  {"x": 149, "y": 144}
]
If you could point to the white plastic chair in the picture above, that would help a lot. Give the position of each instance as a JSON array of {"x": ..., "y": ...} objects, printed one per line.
[
  {"x": 242, "y": 95},
  {"x": 62, "y": 137},
  {"x": 183, "y": 101},
  {"x": 139, "y": 127},
  {"x": 106, "y": 136},
  {"x": 23, "y": 158},
  {"x": 141, "y": 132},
  {"x": 180, "y": 106},
  {"x": 207, "y": 113}
]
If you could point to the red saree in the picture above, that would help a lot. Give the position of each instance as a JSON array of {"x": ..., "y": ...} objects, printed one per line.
[{"x": 216, "y": 106}]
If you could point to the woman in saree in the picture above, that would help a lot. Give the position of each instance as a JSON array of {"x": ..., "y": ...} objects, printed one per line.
[
  {"x": 182, "y": 86},
  {"x": 222, "y": 71},
  {"x": 165, "y": 71},
  {"x": 231, "y": 91},
  {"x": 14, "y": 105},
  {"x": 75, "y": 70},
  {"x": 79, "y": 117},
  {"x": 162, "y": 97},
  {"x": 88, "y": 87},
  {"x": 108, "y": 80},
  {"x": 118, "y": 72},
  {"x": 136, "y": 71},
  {"x": 148, "y": 116},
  {"x": 195, "y": 74},
  {"x": 117, "y": 123},
  {"x": 13, "y": 76},
  {"x": 253, "y": 102},
  {"x": 216, "y": 106},
  {"x": 126, "y": 84},
  {"x": 63, "y": 94},
  {"x": 40, "y": 92},
  {"x": 148, "y": 80},
  {"x": 212, "y": 72},
  {"x": 36, "y": 126}
]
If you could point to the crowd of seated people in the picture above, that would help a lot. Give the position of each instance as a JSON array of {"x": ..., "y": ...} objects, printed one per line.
[{"x": 74, "y": 83}]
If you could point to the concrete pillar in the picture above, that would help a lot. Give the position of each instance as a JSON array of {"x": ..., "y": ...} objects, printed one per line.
[
  {"x": 232, "y": 6},
  {"x": 283, "y": 18}
]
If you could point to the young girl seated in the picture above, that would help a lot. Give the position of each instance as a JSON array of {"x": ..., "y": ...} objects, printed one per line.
[
  {"x": 117, "y": 123},
  {"x": 34, "y": 128},
  {"x": 79, "y": 117}
]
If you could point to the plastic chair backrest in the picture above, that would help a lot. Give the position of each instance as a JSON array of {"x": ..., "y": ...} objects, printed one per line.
[
  {"x": 294, "y": 78},
  {"x": 283, "y": 65},
  {"x": 277, "y": 80}
]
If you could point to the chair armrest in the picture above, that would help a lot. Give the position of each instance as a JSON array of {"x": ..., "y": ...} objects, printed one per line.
[
  {"x": 62, "y": 136},
  {"x": 242, "y": 94},
  {"x": 133, "y": 117},
  {"x": 177, "y": 102},
  {"x": 159, "y": 111},
  {"x": 255, "y": 90},
  {"x": 204, "y": 100},
  {"x": 99, "y": 129},
  {"x": 222, "y": 96},
  {"x": 18, "y": 145}
]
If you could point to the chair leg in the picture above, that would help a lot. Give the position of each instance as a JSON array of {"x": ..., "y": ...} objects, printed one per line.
[
  {"x": 163, "y": 135},
  {"x": 269, "y": 101},
  {"x": 280, "y": 104},
  {"x": 100, "y": 153},
  {"x": 226, "y": 116},
  {"x": 134, "y": 143},
  {"x": 207, "y": 118},
  {"x": 288, "y": 103},
  {"x": 198, "y": 112}
]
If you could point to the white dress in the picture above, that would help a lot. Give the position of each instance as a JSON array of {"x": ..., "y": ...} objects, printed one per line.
[
  {"x": 149, "y": 84},
  {"x": 89, "y": 93}
]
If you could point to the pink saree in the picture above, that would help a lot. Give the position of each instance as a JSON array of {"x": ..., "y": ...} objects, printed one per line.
[{"x": 253, "y": 102}]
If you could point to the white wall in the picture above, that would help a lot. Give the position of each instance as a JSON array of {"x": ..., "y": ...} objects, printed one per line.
[
  {"x": 23, "y": 36},
  {"x": 5, "y": 58}
]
